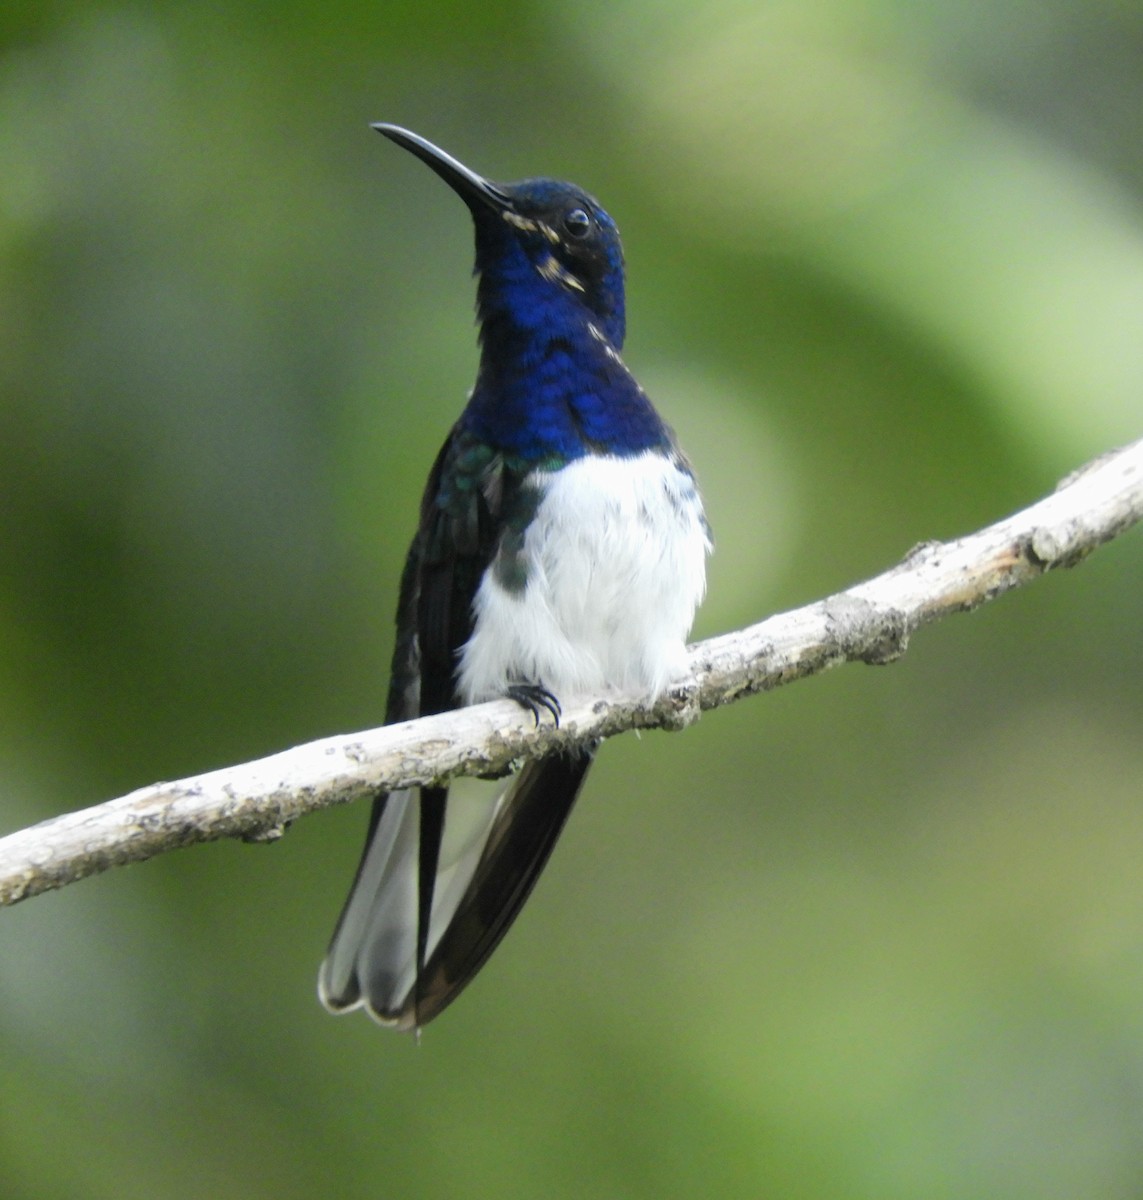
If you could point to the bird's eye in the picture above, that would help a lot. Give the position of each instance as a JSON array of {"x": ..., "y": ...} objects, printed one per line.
[{"x": 577, "y": 223}]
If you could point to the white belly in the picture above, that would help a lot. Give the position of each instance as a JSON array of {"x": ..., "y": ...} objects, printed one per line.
[{"x": 616, "y": 566}]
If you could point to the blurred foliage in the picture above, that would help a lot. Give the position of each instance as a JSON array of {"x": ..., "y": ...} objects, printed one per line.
[{"x": 877, "y": 935}]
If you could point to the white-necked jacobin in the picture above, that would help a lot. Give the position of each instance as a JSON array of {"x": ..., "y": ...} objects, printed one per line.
[{"x": 561, "y": 552}]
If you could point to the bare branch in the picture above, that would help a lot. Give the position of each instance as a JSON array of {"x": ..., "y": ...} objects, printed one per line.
[{"x": 869, "y": 623}]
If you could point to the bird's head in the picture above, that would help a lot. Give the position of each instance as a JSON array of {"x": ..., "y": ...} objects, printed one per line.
[{"x": 564, "y": 235}]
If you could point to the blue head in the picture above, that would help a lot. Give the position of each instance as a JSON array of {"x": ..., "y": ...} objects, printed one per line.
[
  {"x": 552, "y": 245},
  {"x": 552, "y": 319},
  {"x": 538, "y": 235}
]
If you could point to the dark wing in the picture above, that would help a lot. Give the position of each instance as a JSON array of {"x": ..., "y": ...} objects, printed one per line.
[
  {"x": 454, "y": 542},
  {"x": 378, "y": 949}
]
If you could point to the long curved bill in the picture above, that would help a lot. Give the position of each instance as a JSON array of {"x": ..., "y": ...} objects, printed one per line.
[{"x": 465, "y": 182}]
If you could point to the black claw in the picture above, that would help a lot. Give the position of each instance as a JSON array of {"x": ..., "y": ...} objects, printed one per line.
[{"x": 533, "y": 697}]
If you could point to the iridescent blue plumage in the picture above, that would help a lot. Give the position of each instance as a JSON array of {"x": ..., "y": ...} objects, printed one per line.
[
  {"x": 561, "y": 551},
  {"x": 552, "y": 322}
]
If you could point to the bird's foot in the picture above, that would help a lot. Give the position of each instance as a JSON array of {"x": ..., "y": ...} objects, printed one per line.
[{"x": 535, "y": 698}]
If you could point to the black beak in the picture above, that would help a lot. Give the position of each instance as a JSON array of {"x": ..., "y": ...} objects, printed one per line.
[{"x": 471, "y": 188}]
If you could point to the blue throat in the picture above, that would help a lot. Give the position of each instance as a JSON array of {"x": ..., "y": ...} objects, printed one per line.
[{"x": 548, "y": 387}]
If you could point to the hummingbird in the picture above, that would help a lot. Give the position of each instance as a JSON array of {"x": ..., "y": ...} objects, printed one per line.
[{"x": 561, "y": 552}]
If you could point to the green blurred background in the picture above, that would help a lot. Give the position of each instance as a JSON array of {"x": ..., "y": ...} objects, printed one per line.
[{"x": 876, "y": 935}]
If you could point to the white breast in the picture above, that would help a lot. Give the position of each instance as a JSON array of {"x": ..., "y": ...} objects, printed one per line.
[{"x": 616, "y": 566}]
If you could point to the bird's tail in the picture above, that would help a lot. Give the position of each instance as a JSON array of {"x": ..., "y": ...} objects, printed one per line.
[{"x": 381, "y": 957}]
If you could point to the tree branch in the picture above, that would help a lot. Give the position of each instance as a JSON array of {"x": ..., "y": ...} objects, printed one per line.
[{"x": 870, "y": 623}]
